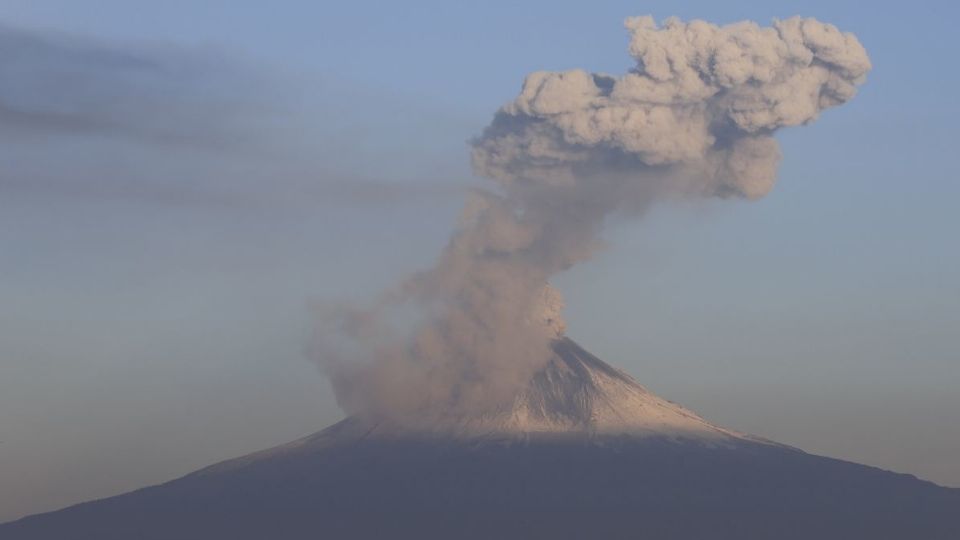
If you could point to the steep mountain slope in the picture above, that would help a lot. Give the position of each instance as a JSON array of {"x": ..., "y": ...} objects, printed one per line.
[
  {"x": 583, "y": 452},
  {"x": 581, "y": 396}
]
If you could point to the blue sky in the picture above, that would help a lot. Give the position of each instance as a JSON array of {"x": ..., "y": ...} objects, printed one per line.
[{"x": 155, "y": 292}]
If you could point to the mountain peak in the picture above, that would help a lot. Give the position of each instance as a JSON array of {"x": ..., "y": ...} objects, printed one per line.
[
  {"x": 575, "y": 395},
  {"x": 578, "y": 394}
]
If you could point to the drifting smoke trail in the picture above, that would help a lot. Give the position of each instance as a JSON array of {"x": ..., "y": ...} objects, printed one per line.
[{"x": 695, "y": 118}]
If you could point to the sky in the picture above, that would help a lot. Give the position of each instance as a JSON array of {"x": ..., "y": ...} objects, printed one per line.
[{"x": 194, "y": 177}]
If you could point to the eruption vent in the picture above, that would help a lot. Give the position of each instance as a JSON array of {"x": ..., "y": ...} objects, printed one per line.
[
  {"x": 695, "y": 117},
  {"x": 575, "y": 397}
]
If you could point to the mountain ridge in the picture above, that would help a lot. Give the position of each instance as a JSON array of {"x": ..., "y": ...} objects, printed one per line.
[{"x": 560, "y": 461}]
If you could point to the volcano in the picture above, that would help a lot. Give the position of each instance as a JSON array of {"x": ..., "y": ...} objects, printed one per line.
[{"x": 583, "y": 452}]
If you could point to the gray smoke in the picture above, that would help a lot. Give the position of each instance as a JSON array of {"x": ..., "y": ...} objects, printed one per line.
[
  {"x": 54, "y": 84},
  {"x": 694, "y": 118}
]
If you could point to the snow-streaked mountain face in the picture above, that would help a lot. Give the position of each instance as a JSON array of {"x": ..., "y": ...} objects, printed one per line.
[
  {"x": 580, "y": 395},
  {"x": 577, "y": 395}
]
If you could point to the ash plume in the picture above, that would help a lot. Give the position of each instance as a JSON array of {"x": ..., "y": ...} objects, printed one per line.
[{"x": 695, "y": 117}]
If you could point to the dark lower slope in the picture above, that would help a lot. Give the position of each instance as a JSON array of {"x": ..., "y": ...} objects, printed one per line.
[{"x": 597, "y": 488}]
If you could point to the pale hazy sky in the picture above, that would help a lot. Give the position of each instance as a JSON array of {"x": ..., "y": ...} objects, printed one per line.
[{"x": 192, "y": 175}]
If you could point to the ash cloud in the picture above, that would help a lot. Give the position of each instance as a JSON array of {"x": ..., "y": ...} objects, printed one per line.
[
  {"x": 694, "y": 118},
  {"x": 64, "y": 85},
  {"x": 170, "y": 125}
]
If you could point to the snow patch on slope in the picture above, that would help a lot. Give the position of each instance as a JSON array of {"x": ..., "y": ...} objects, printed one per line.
[{"x": 578, "y": 395}]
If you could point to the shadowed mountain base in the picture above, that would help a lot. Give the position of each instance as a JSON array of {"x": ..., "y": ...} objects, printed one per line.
[{"x": 356, "y": 480}]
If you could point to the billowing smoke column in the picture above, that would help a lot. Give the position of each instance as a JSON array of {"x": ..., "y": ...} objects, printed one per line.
[{"x": 694, "y": 118}]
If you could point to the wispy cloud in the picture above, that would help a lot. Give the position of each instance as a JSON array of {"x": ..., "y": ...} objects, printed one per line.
[
  {"x": 58, "y": 84},
  {"x": 169, "y": 125}
]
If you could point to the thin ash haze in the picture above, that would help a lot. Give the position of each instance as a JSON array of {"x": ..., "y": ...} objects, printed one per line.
[
  {"x": 63, "y": 84},
  {"x": 694, "y": 118},
  {"x": 181, "y": 126}
]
